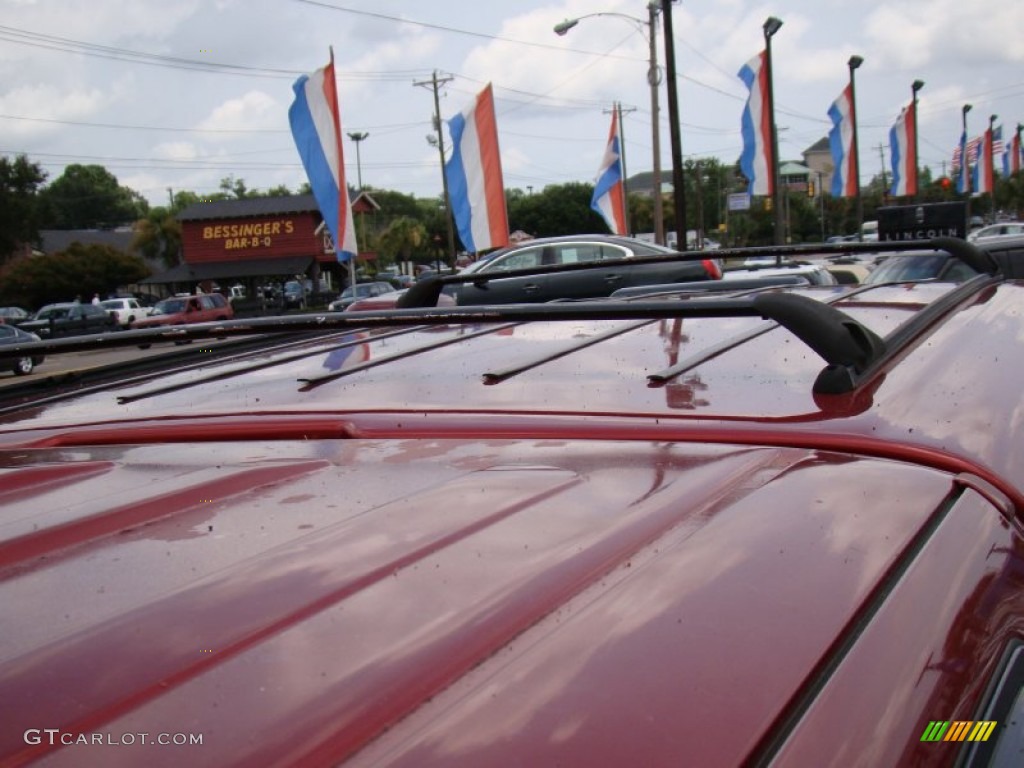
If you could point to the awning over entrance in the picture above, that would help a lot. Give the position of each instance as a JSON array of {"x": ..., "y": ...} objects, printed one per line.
[{"x": 228, "y": 270}]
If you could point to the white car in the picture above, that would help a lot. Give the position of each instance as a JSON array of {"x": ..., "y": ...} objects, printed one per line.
[
  {"x": 997, "y": 230},
  {"x": 126, "y": 311}
]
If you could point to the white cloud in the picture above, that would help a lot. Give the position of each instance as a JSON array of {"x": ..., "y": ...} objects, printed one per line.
[
  {"x": 176, "y": 150},
  {"x": 254, "y": 109},
  {"x": 47, "y": 102}
]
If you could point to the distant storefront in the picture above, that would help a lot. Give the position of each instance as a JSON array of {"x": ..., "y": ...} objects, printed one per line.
[
  {"x": 249, "y": 241},
  {"x": 253, "y": 240}
]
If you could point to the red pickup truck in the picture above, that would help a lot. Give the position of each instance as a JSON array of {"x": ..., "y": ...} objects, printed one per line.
[{"x": 179, "y": 310}]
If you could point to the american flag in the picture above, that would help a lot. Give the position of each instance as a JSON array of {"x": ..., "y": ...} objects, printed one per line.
[{"x": 973, "y": 150}]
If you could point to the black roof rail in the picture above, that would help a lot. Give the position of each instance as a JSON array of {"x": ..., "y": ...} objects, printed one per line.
[
  {"x": 970, "y": 254},
  {"x": 851, "y": 351}
]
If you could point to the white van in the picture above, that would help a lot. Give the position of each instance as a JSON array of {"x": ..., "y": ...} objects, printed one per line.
[{"x": 869, "y": 232}]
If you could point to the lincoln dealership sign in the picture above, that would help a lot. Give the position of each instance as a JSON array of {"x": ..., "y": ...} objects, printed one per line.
[{"x": 922, "y": 222}]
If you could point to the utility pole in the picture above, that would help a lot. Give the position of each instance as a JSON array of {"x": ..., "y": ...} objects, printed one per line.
[
  {"x": 678, "y": 181},
  {"x": 435, "y": 83}
]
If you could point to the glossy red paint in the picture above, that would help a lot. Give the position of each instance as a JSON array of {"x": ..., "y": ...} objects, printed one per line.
[{"x": 510, "y": 546}]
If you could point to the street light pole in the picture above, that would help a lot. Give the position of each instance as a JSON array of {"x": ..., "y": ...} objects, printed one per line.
[
  {"x": 965, "y": 171},
  {"x": 653, "y": 80},
  {"x": 771, "y": 26},
  {"x": 989, "y": 140},
  {"x": 853, "y": 64},
  {"x": 357, "y": 137},
  {"x": 916, "y": 86}
]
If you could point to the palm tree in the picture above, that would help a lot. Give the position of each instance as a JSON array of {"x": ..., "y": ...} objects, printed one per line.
[
  {"x": 403, "y": 236},
  {"x": 159, "y": 237}
]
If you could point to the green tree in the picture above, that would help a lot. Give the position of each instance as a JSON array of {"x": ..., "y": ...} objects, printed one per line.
[
  {"x": 89, "y": 197},
  {"x": 235, "y": 188},
  {"x": 401, "y": 240},
  {"x": 81, "y": 270},
  {"x": 19, "y": 204},
  {"x": 559, "y": 209}
]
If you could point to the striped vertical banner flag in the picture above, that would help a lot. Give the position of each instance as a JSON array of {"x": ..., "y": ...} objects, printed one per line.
[
  {"x": 963, "y": 173},
  {"x": 609, "y": 198},
  {"x": 475, "y": 183},
  {"x": 904, "y": 160},
  {"x": 316, "y": 129},
  {"x": 983, "y": 181},
  {"x": 756, "y": 161},
  {"x": 1015, "y": 154},
  {"x": 840, "y": 141}
]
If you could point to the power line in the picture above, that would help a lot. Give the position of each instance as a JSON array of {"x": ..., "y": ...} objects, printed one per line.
[{"x": 67, "y": 45}]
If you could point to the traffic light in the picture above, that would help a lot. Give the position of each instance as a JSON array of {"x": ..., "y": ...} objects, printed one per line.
[
  {"x": 810, "y": 189},
  {"x": 767, "y": 203}
]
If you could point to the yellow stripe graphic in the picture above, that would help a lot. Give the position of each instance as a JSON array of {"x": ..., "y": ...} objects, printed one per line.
[{"x": 989, "y": 726}]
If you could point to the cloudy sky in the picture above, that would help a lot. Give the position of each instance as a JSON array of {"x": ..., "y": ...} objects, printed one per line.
[{"x": 180, "y": 95}]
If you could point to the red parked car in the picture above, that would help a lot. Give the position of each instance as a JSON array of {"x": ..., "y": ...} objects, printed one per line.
[{"x": 772, "y": 526}]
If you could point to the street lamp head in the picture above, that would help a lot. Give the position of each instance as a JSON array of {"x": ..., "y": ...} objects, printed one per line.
[
  {"x": 564, "y": 26},
  {"x": 993, "y": 118},
  {"x": 855, "y": 62},
  {"x": 967, "y": 108},
  {"x": 771, "y": 26},
  {"x": 358, "y": 136},
  {"x": 917, "y": 85}
]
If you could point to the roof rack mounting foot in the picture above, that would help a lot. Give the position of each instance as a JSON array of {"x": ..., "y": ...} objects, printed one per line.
[
  {"x": 423, "y": 293},
  {"x": 848, "y": 347}
]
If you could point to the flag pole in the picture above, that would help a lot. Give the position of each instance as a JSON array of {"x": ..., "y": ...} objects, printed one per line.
[{"x": 342, "y": 193}]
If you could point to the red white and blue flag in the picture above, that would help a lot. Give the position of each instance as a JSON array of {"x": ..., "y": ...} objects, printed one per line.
[
  {"x": 983, "y": 181},
  {"x": 756, "y": 161},
  {"x": 609, "y": 198},
  {"x": 840, "y": 140},
  {"x": 962, "y": 167},
  {"x": 316, "y": 128},
  {"x": 475, "y": 184},
  {"x": 1011, "y": 156},
  {"x": 901, "y": 149}
]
